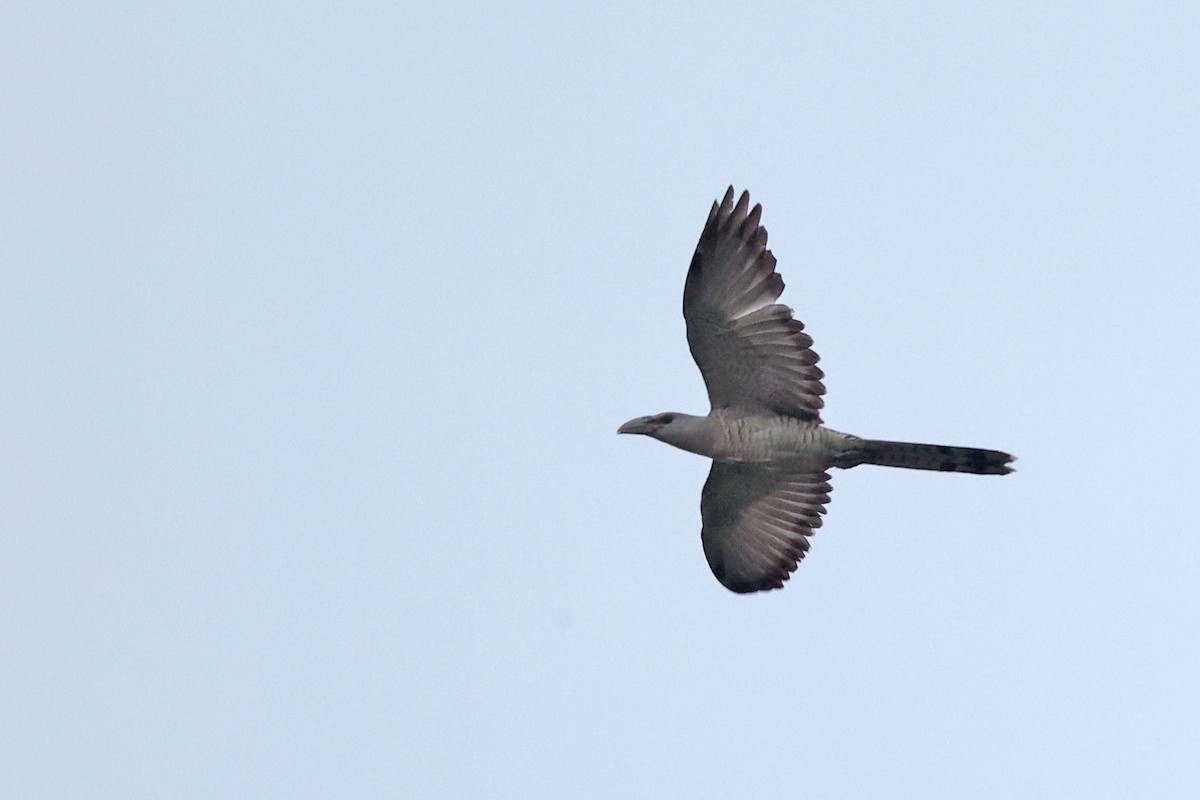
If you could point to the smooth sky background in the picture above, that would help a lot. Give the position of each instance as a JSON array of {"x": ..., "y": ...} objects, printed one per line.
[{"x": 317, "y": 324}]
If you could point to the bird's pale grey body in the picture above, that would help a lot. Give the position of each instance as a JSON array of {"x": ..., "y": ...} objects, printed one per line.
[
  {"x": 727, "y": 435},
  {"x": 769, "y": 483}
]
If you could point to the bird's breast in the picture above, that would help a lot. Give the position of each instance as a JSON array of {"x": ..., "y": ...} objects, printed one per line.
[{"x": 769, "y": 439}]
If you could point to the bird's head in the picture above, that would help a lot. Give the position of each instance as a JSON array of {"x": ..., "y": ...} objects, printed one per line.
[
  {"x": 680, "y": 430},
  {"x": 649, "y": 426}
]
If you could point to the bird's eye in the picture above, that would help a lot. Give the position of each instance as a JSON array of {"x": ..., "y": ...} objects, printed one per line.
[{"x": 665, "y": 419}]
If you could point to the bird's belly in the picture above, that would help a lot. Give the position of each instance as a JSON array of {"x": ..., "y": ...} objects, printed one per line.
[{"x": 785, "y": 441}]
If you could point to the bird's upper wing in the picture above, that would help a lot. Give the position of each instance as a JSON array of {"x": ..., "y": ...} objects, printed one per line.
[
  {"x": 752, "y": 353},
  {"x": 757, "y": 521}
]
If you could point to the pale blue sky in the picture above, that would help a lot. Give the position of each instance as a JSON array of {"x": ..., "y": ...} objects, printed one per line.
[{"x": 318, "y": 324}]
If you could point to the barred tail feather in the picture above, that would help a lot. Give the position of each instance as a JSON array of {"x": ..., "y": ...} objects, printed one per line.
[{"x": 935, "y": 457}]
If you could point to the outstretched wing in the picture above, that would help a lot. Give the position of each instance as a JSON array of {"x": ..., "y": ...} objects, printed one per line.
[
  {"x": 757, "y": 521},
  {"x": 752, "y": 353}
]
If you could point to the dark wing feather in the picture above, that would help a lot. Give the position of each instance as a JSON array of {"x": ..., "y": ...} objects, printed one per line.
[
  {"x": 757, "y": 521},
  {"x": 752, "y": 353}
]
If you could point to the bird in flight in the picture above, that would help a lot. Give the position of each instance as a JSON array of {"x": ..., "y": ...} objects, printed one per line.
[{"x": 769, "y": 481}]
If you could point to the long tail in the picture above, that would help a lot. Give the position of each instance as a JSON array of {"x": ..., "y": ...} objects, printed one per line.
[{"x": 933, "y": 456}]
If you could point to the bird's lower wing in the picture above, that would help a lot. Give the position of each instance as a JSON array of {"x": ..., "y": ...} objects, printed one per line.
[{"x": 756, "y": 522}]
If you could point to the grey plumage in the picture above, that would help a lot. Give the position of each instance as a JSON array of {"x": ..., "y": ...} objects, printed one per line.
[
  {"x": 937, "y": 457},
  {"x": 769, "y": 483}
]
